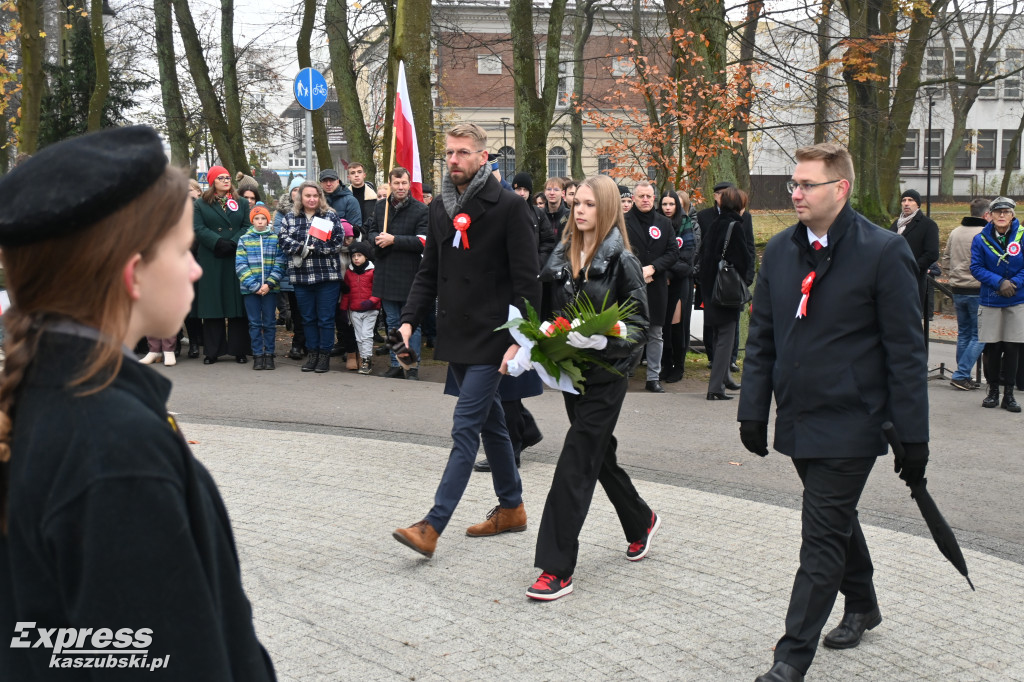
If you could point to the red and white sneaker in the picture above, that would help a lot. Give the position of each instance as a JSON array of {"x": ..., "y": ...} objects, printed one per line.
[
  {"x": 549, "y": 587},
  {"x": 638, "y": 550}
]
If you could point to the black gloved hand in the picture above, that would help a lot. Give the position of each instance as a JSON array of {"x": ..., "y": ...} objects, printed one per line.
[
  {"x": 224, "y": 248},
  {"x": 912, "y": 465},
  {"x": 403, "y": 353},
  {"x": 754, "y": 435}
]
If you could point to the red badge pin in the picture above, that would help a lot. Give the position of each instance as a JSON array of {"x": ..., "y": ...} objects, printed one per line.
[
  {"x": 1013, "y": 249},
  {"x": 461, "y": 223},
  {"x": 232, "y": 204},
  {"x": 654, "y": 232}
]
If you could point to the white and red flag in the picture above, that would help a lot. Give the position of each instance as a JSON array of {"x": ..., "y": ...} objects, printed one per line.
[{"x": 407, "y": 154}]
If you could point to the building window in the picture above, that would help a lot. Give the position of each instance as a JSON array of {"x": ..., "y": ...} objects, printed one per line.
[
  {"x": 557, "y": 163},
  {"x": 963, "y": 153},
  {"x": 297, "y": 128},
  {"x": 507, "y": 163},
  {"x": 605, "y": 165},
  {"x": 933, "y": 63},
  {"x": 1011, "y": 86},
  {"x": 296, "y": 160},
  {"x": 987, "y": 70},
  {"x": 910, "y": 150},
  {"x": 652, "y": 172},
  {"x": 1013, "y": 163},
  {"x": 623, "y": 67},
  {"x": 488, "y": 64},
  {"x": 564, "y": 84},
  {"x": 933, "y": 152},
  {"x": 986, "y": 150}
]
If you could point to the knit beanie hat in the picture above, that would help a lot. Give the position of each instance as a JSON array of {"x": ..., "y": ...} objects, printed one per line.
[
  {"x": 913, "y": 194},
  {"x": 245, "y": 182},
  {"x": 295, "y": 183},
  {"x": 260, "y": 209},
  {"x": 361, "y": 247},
  {"x": 523, "y": 180},
  {"x": 215, "y": 172}
]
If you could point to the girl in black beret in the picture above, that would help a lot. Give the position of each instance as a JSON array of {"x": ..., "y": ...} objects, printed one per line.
[{"x": 113, "y": 538}]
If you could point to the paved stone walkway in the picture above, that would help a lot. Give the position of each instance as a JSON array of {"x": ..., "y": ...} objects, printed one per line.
[{"x": 336, "y": 598}]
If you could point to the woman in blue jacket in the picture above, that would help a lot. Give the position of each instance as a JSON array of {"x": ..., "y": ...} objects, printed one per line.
[{"x": 997, "y": 262}]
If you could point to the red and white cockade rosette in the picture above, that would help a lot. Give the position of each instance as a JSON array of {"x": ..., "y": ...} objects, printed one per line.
[
  {"x": 461, "y": 223},
  {"x": 805, "y": 293}
]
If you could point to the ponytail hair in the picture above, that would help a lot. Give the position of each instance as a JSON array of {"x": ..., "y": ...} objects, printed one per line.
[{"x": 78, "y": 277}]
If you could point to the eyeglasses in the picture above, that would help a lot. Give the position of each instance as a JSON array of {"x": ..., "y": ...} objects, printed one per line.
[
  {"x": 461, "y": 153},
  {"x": 223, "y": 177},
  {"x": 805, "y": 187},
  {"x": 1002, "y": 212}
]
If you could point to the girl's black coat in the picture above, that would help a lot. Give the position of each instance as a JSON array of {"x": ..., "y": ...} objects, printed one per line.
[
  {"x": 737, "y": 253},
  {"x": 616, "y": 273},
  {"x": 114, "y": 524}
]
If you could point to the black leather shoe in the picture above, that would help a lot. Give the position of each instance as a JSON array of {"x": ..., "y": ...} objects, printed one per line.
[
  {"x": 268, "y": 362},
  {"x": 732, "y": 385},
  {"x": 734, "y": 367},
  {"x": 532, "y": 440},
  {"x": 323, "y": 363},
  {"x": 482, "y": 465},
  {"x": 1009, "y": 403},
  {"x": 295, "y": 353},
  {"x": 673, "y": 376},
  {"x": 781, "y": 672},
  {"x": 310, "y": 364},
  {"x": 257, "y": 362},
  {"x": 241, "y": 359},
  {"x": 193, "y": 350},
  {"x": 992, "y": 399},
  {"x": 394, "y": 373},
  {"x": 208, "y": 360},
  {"x": 851, "y": 628},
  {"x": 654, "y": 386},
  {"x": 719, "y": 396},
  {"x": 412, "y": 374}
]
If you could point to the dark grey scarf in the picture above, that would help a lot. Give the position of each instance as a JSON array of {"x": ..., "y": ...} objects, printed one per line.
[{"x": 453, "y": 202}]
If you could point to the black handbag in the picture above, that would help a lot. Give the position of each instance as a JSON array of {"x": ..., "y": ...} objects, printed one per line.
[{"x": 730, "y": 290}]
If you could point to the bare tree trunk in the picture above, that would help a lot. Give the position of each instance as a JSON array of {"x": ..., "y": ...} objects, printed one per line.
[
  {"x": 582, "y": 25},
  {"x": 961, "y": 108},
  {"x": 533, "y": 112},
  {"x": 233, "y": 158},
  {"x": 101, "y": 87},
  {"x": 824, "y": 40},
  {"x": 741, "y": 161},
  {"x": 170, "y": 90},
  {"x": 229, "y": 67},
  {"x": 33, "y": 48},
  {"x": 360, "y": 144},
  {"x": 412, "y": 45},
  {"x": 321, "y": 145},
  {"x": 1011, "y": 154}
]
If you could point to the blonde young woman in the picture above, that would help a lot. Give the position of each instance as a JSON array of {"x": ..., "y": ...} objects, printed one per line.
[
  {"x": 109, "y": 527},
  {"x": 593, "y": 260}
]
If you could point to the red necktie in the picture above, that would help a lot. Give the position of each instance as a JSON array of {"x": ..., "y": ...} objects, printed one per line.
[{"x": 817, "y": 246}]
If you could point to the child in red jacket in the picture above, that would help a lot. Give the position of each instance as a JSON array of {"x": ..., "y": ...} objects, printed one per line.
[{"x": 359, "y": 301}]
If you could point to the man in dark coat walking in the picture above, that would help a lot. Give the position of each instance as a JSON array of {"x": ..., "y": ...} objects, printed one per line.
[
  {"x": 835, "y": 335},
  {"x": 653, "y": 241},
  {"x": 480, "y": 258},
  {"x": 922, "y": 235},
  {"x": 398, "y": 253}
]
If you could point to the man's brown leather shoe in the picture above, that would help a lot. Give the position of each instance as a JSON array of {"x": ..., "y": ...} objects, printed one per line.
[
  {"x": 421, "y": 536},
  {"x": 500, "y": 520}
]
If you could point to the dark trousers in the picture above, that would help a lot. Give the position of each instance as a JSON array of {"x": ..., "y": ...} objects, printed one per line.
[
  {"x": 834, "y": 556},
  {"x": 478, "y": 416},
  {"x": 723, "y": 335},
  {"x": 1000, "y": 362},
  {"x": 515, "y": 423},
  {"x": 673, "y": 349},
  {"x": 587, "y": 458},
  {"x": 194, "y": 331},
  {"x": 217, "y": 343},
  {"x": 299, "y": 331}
]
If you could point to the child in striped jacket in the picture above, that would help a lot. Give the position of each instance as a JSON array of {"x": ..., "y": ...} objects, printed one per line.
[{"x": 260, "y": 265}]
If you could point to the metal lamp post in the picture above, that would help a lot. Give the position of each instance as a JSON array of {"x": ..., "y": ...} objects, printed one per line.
[
  {"x": 928, "y": 153},
  {"x": 504, "y": 144}
]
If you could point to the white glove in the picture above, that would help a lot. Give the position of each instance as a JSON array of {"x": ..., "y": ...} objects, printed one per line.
[
  {"x": 595, "y": 342},
  {"x": 520, "y": 363}
]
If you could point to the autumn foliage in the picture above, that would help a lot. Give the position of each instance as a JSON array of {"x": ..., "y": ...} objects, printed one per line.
[
  {"x": 685, "y": 117},
  {"x": 10, "y": 82}
]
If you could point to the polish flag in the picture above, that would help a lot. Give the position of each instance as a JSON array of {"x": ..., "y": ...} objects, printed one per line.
[{"x": 407, "y": 153}]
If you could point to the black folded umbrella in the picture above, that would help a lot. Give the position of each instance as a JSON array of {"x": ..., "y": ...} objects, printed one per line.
[{"x": 941, "y": 532}]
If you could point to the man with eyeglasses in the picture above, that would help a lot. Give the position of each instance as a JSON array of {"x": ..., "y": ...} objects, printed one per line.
[
  {"x": 836, "y": 337},
  {"x": 922, "y": 234},
  {"x": 480, "y": 257}
]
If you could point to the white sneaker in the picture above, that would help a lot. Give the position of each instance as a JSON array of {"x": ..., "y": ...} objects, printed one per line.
[
  {"x": 150, "y": 358},
  {"x": 169, "y": 359}
]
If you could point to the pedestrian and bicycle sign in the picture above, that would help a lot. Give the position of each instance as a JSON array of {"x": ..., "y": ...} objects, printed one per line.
[{"x": 310, "y": 89}]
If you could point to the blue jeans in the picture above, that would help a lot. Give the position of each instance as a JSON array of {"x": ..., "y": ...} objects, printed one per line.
[
  {"x": 261, "y": 311},
  {"x": 393, "y": 313},
  {"x": 317, "y": 303},
  {"x": 478, "y": 415},
  {"x": 968, "y": 348}
]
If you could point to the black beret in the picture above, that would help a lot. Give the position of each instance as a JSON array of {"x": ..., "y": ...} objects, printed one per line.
[
  {"x": 74, "y": 184},
  {"x": 723, "y": 185}
]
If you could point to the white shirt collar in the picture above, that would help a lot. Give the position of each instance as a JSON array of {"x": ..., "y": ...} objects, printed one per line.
[{"x": 811, "y": 238}]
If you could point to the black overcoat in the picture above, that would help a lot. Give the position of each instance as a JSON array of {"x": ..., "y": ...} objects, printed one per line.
[
  {"x": 922, "y": 235},
  {"x": 737, "y": 253},
  {"x": 395, "y": 266},
  {"x": 655, "y": 245},
  {"x": 474, "y": 287},
  {"x": 855, "y": 361},
  {"x": 707, "y": 217},
  {"x": 114, "y": 524}
]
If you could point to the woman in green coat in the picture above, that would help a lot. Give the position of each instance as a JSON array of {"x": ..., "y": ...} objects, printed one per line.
[{"x": 220, "y": 218}]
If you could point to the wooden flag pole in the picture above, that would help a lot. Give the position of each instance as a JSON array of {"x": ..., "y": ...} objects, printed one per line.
[{"x": 391, "y": 164}]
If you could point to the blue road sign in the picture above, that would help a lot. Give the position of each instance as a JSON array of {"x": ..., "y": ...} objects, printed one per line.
[{"x": 310, "y": 89}]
